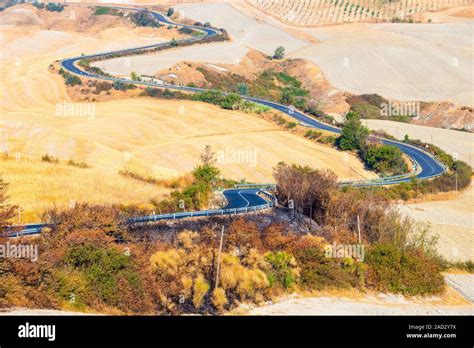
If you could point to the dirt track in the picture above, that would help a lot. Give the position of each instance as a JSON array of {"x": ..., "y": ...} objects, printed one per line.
[{"x": 390, "y": 305}]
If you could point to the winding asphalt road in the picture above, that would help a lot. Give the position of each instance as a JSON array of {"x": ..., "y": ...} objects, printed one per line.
[{"x": 243, "y": 200}]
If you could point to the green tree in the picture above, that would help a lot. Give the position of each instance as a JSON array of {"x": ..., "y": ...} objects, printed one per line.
[
  {"x": 279, "y": 52},
  {"x": 206, "y": 172},
  {"x": 243, "y": 89},
  {"x": 354, "y": 134},
  {"x": 170, "y": 12},
  {"x": 135, "y": 76}
]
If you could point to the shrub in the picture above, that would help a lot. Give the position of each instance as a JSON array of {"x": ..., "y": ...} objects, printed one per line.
[
  {"x": 459, "y": 178},
  {"x": 144, "y": 18},
  {"x": 279, "y": 52},
  {"x": 134, "y": 76},
  {"x": 282, "y": 271},
  {"x": 467, "y": 266},
  {"x": 229, "y": 101},
  {"x": 70, "y": 80},
  {"x": 82, "y": 165},
  {"x": 120, "y": 86},
  {"x": 250, "y": 107},
  {"x": 200, "y": 289},
  {"x": 243, "y": 282},
  {"x": 318, "y": 272},
  {"x": 312, "y": 134},
  {"x": 385, "y": 159},
  {"x": 73, "y": 288},
  {"x": 50, "y": 159},
  {"x": 219, "y": 300},
  {"x": 99, "y": 10},
  {"x": 212, "y": 97},
  {"x": 109, "y": 272},
  {"x": 102, "y": 86},
  {"x": 51, "y": 6},
  {"x": 409, "y": 271},
  {"x": 243, "y": 89},
  {"x": 170, "y": 12},
  {"x": 288, "y": 80}
]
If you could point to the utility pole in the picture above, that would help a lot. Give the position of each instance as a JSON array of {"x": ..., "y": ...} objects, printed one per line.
[
  {"x": 358, "y": 226},
  {"x": 219, "y": 258}
]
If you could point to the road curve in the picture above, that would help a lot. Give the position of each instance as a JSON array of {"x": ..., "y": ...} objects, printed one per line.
[
  {"x": 430, "y": 167},
  {"x": 243, "y": 200}
]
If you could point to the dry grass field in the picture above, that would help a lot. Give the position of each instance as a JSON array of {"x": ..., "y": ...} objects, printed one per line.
[
  {"x": 37, "y": 186},
  {"x": 154, "y": 137},
  {"x": 452, "y": 221}
]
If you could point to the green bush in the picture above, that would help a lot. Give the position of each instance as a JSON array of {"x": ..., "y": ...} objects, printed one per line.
[
  {"x": 459, "y": 177},
  {"x": 243, "y": 89},
  {"x": 54, "y": 7},
  {"x": 100, "y": 10},
  {"x": 318, "y": 272},
  {"x": 144, "y": 18},
  {"x": 312, "y": 134},
  {"x": 50, "y": 6},
  {"x": 120, "y": 86},
  {"x": 108, "y": 272},
  {"x": 229, "y": 101},
  {"x": 288, "y": 80},
  {"x": 282, "y": 271},
  {"x": 213, "y": 97},
  {"x": 251, "y": 107},
  {"x": 71, "y": 80},
  {"x": 385, "y": 159},
  {"x": 409, "y": 271}
]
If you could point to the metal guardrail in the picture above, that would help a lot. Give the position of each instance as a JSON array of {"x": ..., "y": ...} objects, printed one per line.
[
  {"x": 260, "y": 186},
  {"x": 202, "y": 213},
  {"x": 33, "y": 229},
  {"x": 207, "y": 213}
]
